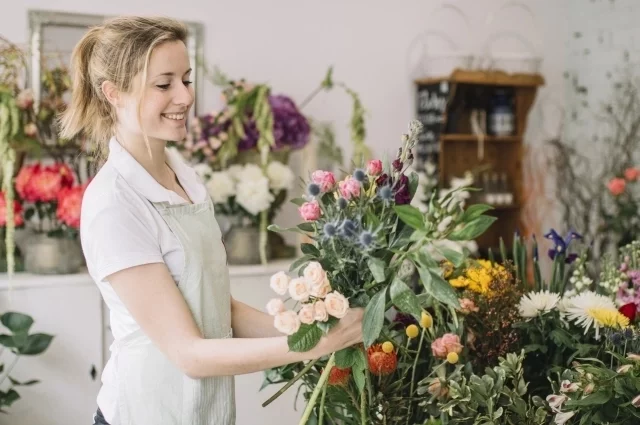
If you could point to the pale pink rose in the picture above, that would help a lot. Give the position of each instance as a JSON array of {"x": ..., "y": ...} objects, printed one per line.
[
  {"x": 374, "y": 167},
  {"x": 314, "y": 273},
  {"x": 616, "y": 186},
  {"x": 349, "y": 188},
  {"x": 438, "y": 349},
  {"x": 275, "y": 306},
  {"x": 320, "y": 311},
  {"x": 336, "y": 304},
  {"x": 467, "y": 306},
  {"x": 321, "y": 290},
  {"x": 556, "y": 402},
  {"x": 310, "y": 211},
  {"x": 287, "y": 322},
  {"x": 452, "y": 343},
  {"x": 280, "y": 283},
  {"x": 25, "y": 99},
  {"x": 299, "y": 289},
  {"x": 307, "y": 314},
  {"x": 30, "y": 130},
  {"x": 325, "y": 179}
]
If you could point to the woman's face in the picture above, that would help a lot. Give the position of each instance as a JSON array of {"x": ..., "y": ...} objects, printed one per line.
[{"x": 167, "y": 96}]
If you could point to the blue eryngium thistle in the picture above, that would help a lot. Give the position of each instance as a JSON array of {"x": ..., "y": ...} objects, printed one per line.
[
  {"x": 313, "y": 189},
  {"x": 360, "y": 175},
  {"x": 330, "y": 229},
  {"x": 348, "y": 228},
  {"x": 342, "y": 203},
  {"x": 385, "y": 193},
  {"x": 366, "y": 239}
]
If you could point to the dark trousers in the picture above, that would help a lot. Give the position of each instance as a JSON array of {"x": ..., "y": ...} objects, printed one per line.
[{"x": 98, "y": 419}]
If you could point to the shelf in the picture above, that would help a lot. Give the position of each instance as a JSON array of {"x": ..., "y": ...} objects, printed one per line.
[
  {"x": 474, "y": 138},
  {"x": 486, "y": 78}
]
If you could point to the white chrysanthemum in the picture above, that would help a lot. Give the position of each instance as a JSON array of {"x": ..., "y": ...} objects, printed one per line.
[
  {"x": 250, "y": 172},
  {"x": 581, "y": 307},
  {"x": 280, "y": 176},
  {"x": 537, "y": 303},
  {"x": 203, "y": 170},
  {"x": 221, "y": 186},
  {"x": 254, "y": 195},
  {"x": 235, "y": 171}
]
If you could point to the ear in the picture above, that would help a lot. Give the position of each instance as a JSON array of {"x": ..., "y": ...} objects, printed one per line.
[{"x": 111, "y": 92}]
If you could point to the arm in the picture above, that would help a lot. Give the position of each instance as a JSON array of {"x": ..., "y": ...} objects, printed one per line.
[
  {"x": 248, "y": 322},
  {"x": 155, "y": 302}
]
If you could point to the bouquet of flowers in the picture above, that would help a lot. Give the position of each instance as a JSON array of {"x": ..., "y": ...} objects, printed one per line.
[{"x": 369, "y": 249}]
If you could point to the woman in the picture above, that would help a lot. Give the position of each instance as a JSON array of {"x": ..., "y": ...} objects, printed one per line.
[{"x": 152, "y": 243}]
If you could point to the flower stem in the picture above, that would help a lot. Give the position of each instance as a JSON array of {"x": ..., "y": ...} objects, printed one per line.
[
  {"x": 316, "y": 391},
  {"x": 290, "y": 383},
  {"x": 324, "y": 394},
  {"x": 363, "y": 403}
]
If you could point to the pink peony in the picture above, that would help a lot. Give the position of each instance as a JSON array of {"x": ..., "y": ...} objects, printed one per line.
[
  {"x": 17, "y": 212},
  {"x": 325, "y": 179},
  {"x": 70, "y": 205},
  {"x": 616, "y": 186},
  {"x": 349, "y": 188},
  {"x": 374, "y": 167},
  {"x": 310, "y": 211},
  {"x": 632, "y": 174},
  {"x": 36, "y": 183}
]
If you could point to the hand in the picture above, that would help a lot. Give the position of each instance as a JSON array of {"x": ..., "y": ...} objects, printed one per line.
[{"x": 346, "y": 333}]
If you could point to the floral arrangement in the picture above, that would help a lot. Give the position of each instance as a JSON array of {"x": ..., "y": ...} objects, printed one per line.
[{"x": 621, "y": 216}]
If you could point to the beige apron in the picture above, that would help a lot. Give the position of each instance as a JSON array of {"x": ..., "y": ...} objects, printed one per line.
[{"x": 151, "y": 389}]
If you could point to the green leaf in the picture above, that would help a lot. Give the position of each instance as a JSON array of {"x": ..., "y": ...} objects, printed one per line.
[
  {"x": 594, "y": 399},
  {"x": 16, "y": 322},
  {"x": 406, "y": 235},
  {"x": 453, "y": 256},
  {"x": 410, "y": 216},
  {"x": 562, "y": 337},
  {"x": 358, "y": 377},
  {"x": 30, "y": 382},
  {"x": 298, "y": 201},
  {"x": 358, "y": 369},
  {"x": 36, "y": 344},
  {"x": 305, "y": 339},
  {"x": 475, "y": 211},
  {"x": 473, "y": 229},
  {"x": 413, "y": 183},
  {"x": 346, "y": 357},
  {"x": 310, "y": 249},
  {"x": 306, "y": 227},
  {"x": 405, "y": 299},
  {"x": 278, "y": 229},
  {"x": 438, "y": 288},
  {"x": 10, "y": 397},
  {"x": 374, "y": 318},
  {"x": 377, "y": 267},
  {"x": 300, "y": 262},
  {"x": 7, "y": 341}
]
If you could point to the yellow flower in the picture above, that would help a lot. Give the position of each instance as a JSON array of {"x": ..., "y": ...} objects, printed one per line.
[
  {"x": 459, "y": 282},
  {"x": 426, "y": 321},
  {"x": 447, "y": 268},
  {"x": 387, "y": 347},
  {"x": 453, "y": 357},
  {"x": 486, "y": 264},
  {"x": 412, "y": 331},
  {"x": 609, "y": 317}
]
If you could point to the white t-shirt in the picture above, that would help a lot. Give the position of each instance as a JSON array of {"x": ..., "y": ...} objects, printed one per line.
[{"x": 120, "y": 228}]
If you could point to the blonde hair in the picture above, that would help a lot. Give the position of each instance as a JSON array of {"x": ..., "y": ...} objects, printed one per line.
[{"x": 115, "y": 51}]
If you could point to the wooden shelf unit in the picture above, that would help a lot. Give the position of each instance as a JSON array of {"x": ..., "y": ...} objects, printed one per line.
[{"x": 443, "y": 106}]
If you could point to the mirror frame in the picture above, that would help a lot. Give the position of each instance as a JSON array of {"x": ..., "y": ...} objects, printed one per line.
[{"x": 39, "y": 19}]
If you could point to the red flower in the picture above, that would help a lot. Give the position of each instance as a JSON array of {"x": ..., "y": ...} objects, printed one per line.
[
  {"x": 70, "y": 205},
  {"x": 632, "y": 174},
  {"x": 381, "y": 363},
  {"x": 36, "y": 183},
  {"x": 17, "y": 212},
  {"x": 339, "y": 376},
  {"x": 616, "y": 186},
  {"x": 629, "y": 310}
]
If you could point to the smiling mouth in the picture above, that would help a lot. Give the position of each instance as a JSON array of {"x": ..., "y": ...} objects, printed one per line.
[{"x": 175, "y": 117}]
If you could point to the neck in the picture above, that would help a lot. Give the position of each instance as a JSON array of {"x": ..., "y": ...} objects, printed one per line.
[{"x": 152, "y": 156}]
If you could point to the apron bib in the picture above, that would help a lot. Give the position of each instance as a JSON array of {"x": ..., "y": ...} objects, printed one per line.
[{"x": 151, "y": 389}]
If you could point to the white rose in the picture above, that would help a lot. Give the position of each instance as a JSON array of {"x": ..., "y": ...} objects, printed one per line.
[
  {"x": 220, "y": 186},
  {"x": 235, "y": 171},
  {"x": 280, "y": 176},
  {"x": 306, "y": 314},
  {"x": 275, "y": 306},
  {"x": 287, "y": 322},
  {"x": 280, "y": 283},
  {"x": 299, "y": 289},
  {"x": 321, "y": 290},
  {"x": 251, "y": 172},
  {"x": 254, "y": 195},
  {"x": 320, "y": 311},
  {"x": 314, "y": 273},
  {"x": 337, "y": 305}
]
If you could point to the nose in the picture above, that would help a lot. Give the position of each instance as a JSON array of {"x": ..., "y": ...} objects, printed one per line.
[{"x": 185, "y": 95}]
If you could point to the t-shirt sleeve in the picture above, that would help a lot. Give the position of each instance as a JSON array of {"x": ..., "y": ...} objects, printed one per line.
[{"x": 117, "y": 238}]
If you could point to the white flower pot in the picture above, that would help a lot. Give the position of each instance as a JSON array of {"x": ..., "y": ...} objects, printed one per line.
[{"x": 47, "y": 255}]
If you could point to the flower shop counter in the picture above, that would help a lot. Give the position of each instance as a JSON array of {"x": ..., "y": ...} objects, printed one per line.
[{"x": 70, "y": 308}]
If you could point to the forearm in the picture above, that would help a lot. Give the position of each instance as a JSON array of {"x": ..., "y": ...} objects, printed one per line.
[
  {"x": 237, "y": 356},
  {"x": 248, "y": 322}
]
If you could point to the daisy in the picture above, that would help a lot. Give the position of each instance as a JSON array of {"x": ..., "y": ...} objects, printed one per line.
[
  {"x": 590, "y": 309},
  {"x": 537, "y": 303}
]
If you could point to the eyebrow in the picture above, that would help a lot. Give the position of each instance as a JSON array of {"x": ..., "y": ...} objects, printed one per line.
[{"x": 171, "y": 74}]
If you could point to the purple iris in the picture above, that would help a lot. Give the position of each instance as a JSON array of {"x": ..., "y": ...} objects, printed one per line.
[{"x": 560, "y": 245}]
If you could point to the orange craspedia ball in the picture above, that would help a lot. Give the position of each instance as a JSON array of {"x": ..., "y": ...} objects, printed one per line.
[
  {"x": 339, "y": 376},
  {"x": 381, "y": 363}
]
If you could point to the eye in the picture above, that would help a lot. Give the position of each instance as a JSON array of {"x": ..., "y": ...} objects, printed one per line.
[
  {"x": 187, "y": 83},
  {"x": 163, "y": 86}
]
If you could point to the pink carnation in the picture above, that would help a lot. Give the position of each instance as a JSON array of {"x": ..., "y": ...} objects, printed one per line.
[
  {"x": 325, "y": 179},
  {"x": 349, "y": 188},
  {"x": 310, "y": 211},
  {"x": 374, "y": 167}
]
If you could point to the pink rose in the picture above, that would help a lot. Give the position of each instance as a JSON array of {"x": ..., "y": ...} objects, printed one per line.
[
  {"x": 310, "y": 211},
  {"x": 336, "y": 304},
  {"x": 325, "y": 179},
  {"x": 314, "y": 273},
  {"x": 287, "y": 322},
  {"x": 452, "y": 343},
  {"x": 25, "y": 99},
  {"x": 616, "y": 186},
  {"x": 321, "y": 290},
  {"x": 349, "y": 188},
  {"x": 467, "y": 306},
  {"x": 299, "y": 289},
  {"x": 307, "y": 314},
  {"x": 438, "y": 349},
  {"x": 275, "y": 306},
  {"x": 374, "y": 167},
  {"x": 320, "y": 311},
  {"x": 280, "y": 283},
  {"x": 632, "y": 174}
]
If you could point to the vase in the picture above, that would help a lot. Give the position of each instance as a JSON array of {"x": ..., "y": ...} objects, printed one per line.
[
  {"x": 47, "y": 255},
  {"x": 243, "y": 245}
]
